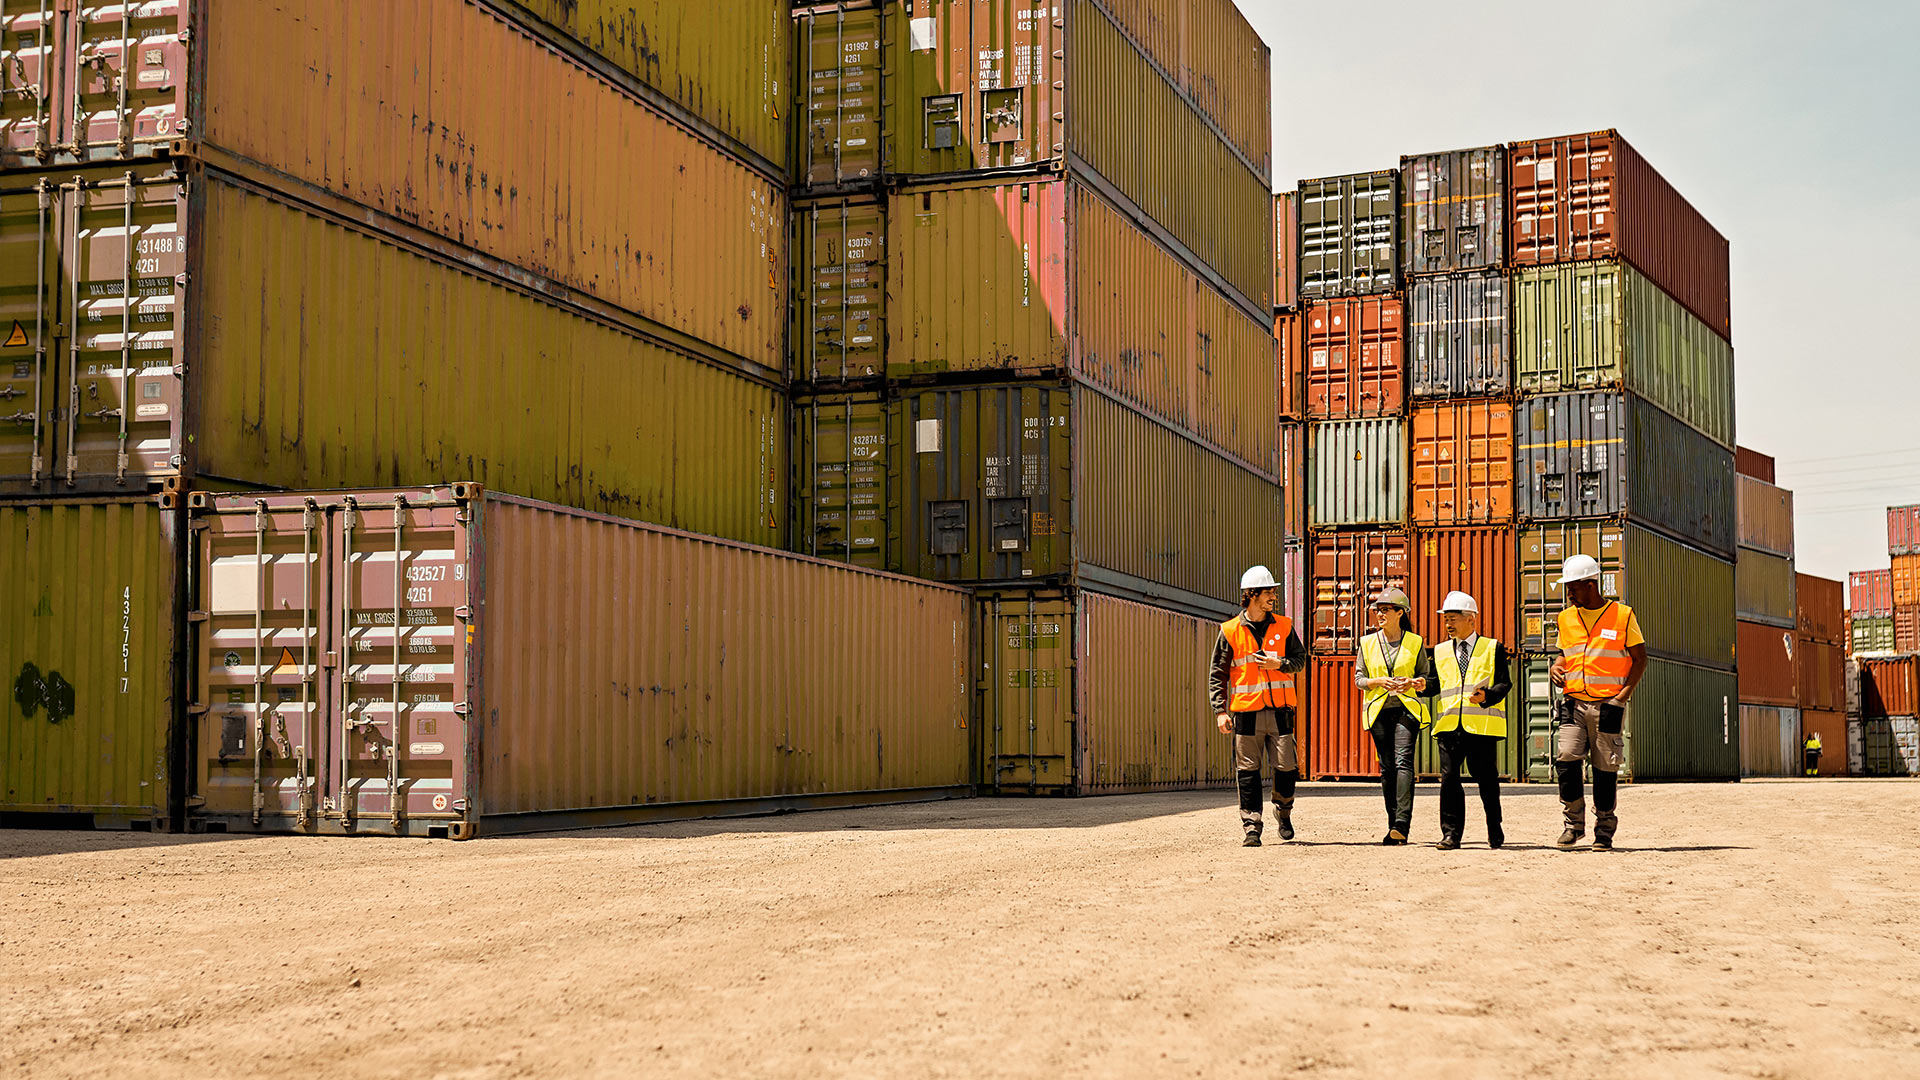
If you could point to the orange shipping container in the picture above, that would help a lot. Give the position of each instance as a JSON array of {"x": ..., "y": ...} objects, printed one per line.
[
  {"x": 1820, "y": 674},
  {"x": 1356, "y": 357},
  {"x": 1463, "y": 463},
  {"x": 1906, "y": 580},
  {"x": 1821, "y": 603},
  {"x": 1478, "y": 562},
  {"x": 1347, "y": 570},
  {"x": 1337, "y": 747},
  {"x": 1889, "y": 686},
  {"x": 1766, "y": 664},
  {"x": 1831, "y": 726},
  {"x": 1286, "y": 247},
  {"x": 1290, "y": 350}
]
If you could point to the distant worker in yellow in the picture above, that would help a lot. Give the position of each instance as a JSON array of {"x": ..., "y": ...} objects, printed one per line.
[
  {"x": 1251, "y": 683},
  {"x": 1602, "y": 656},
  {"x": 1810, "y": 754},
  {"x": 1394, "y": 674},
  {"x": 1469, "y": 717}
]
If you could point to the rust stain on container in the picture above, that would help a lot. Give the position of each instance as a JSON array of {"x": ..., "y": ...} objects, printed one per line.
[
  {"x": 476, "y": 693},
  {"x": 1348, "y": 569},
  {"x": 1766, "y": 664},
  {"x": 1462, "y": 463},
  {"x": 1356, "y": 357}
]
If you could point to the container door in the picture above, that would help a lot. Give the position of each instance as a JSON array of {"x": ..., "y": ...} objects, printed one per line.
[
  {"x": 29, "y": 323},
  {"x": 840, "y": 259},
  {"x": 1536, "y": 720},
  {"x": 1027, "y": 726},
  {"x": 841, "y": 488},
  {"x": 839, "y": 112},
  {"x": 127, "y": 71},
  {"x": 28, "y": 91}
]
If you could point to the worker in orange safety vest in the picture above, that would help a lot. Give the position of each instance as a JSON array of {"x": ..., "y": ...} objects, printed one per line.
[
  {"x": 1602, "y": 656},
  {"x": 1251, "y": 686}
]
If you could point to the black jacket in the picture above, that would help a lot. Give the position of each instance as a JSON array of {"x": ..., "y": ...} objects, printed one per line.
[{"x": 1220, "y": 674}]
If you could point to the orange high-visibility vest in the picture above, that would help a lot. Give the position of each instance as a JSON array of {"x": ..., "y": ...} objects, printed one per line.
[
  {"x": 1596, "y": 666},
  {"x": 1253, "y": 687}
]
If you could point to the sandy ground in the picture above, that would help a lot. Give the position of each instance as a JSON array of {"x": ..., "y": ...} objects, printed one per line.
[{"x": 1753, "y": 930}]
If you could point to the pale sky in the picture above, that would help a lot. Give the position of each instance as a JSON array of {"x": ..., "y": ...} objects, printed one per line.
[{"x": 1794, "y": 127}]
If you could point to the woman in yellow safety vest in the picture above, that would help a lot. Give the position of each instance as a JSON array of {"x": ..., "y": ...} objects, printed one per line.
[
  {"x": 1394, "y": 674},
  {"x": 1469, "y": 717}
]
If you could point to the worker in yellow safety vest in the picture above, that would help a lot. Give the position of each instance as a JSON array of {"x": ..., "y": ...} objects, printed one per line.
[
  {"x": 1602, "y": 656},
  {"x": 1250, "y": 684},
  {"x": 1394, "y": 674},
  {"x": 1469, "y": 717},
  {"x": 1810, "y": 752}
]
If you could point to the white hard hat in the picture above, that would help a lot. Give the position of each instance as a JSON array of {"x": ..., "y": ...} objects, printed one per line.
[
  {"x": 1258, "y": 577},
  {"x": 1458, "y": 601},
  {"x": 1579, "y": 568}
]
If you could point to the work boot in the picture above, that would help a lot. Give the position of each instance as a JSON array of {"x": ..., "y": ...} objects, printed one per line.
[
  {"x": 1495, "y": 837},
  {"x": 1252, "y": 839},
  {"x": 1395, "y": 837},
  {"x": 1448, "y": 842},
  {"x": 1283, "y": 810},
  {"x": 1575, "y": 814},
  {"x": 1604, "y": 826}
]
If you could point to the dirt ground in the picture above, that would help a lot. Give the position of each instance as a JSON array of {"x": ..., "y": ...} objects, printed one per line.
[{"x": 1752, "y": 930}]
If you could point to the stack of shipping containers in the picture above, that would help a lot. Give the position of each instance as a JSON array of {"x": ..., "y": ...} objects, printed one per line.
[
  {"x": 1764, "y": 600},
  {"x": 1883, "y": 636},
  {"x": 1032, "y": 352},
  {"x": 1903, "y": 577},
  {"x": 1820, "y": 664},
  {"x": 532, "y": 252}
]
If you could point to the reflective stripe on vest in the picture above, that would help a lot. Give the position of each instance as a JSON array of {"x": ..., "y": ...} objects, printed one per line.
[
  {"x": 1404, "y": 665},
  {"x": 1455, "y": 711},
  {"x": 1596, "y": 666},
  {"x": 1251, "y": 687}
]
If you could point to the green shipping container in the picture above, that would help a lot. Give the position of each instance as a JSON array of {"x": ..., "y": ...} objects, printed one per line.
[
  {"x": 1872, "y": 634},
  {"x": 1598, "y": 325},
  {"x": 1683, "y": 723},
  {"x": 1683, "y": 597},
  {"x": 89, "y": 626}
]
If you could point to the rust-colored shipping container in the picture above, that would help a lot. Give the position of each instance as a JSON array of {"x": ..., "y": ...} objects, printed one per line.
[
  {"x": 1889, "y": 686},
  {"x": 1753, "y": 463},
  {"x": 1831, "y": 727},
  {"x": 1765, "y": 516},
  {"x": 1292, "y": 475},
  {"x": 1290, "y": 345},
  {"x": 1870, "y": 592},
  {"x": 439, "y": 661},
  {"x": 1906, "y": 627},
  {"x": 1356, "y": 357},
  {"x": 379, "y": 359},
  {"x": 1478, "y": 562},
  {"x": 1593, "y": 197},
  {"x": 1039, "y": 276},
  {"x": 1337, "y": 747},
  {"x": 1903, "y": 530},
  {"x": 1819, "y": 674},
  {"x": 1904, "y": 577},
  {"x": 1347, "y": 569},
  {"x": 1766, "y": 662},
  {"x": 1086, "y": 694},
  {"x": 839, "y": 51},
  {"x": 1821, "y": 609},
  {"x": 1286, "y": 248},
  {"x": 1462, "y": 463},
  {"x": 839, "y": 256}
]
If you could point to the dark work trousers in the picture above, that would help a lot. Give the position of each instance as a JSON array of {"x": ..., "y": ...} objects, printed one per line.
[
  {"x": 1395, "y": 733},
  {"x": 1481, "y": 755}
]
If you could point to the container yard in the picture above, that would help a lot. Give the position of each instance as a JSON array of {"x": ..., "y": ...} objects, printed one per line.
[{"x": 724, "y": 507}]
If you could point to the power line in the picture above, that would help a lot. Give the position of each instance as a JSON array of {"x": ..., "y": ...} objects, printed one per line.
[{"x": 1850, "y": 457}]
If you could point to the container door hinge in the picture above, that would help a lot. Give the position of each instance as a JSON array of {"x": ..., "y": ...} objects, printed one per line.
[
  {"x": 462, "y": 709},
  {"x": 463, "y": 612},
  {"x": 197, "y": 709},
  {"x": 196, "y": 616}
]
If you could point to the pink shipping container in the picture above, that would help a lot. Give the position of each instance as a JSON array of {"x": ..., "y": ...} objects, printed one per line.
[
  {"x": 1356, "y": 357},
  {"x": 443, "y": 662},
  {"x": 1870, "y": 593},
  {"x": 1903, "y": 530},
  {"x": 1592, "y": 197}
]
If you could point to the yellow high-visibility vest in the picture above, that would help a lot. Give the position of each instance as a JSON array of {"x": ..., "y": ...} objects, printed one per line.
[
  {"x": 1374, "y": 652},
  {"x": 1455, "y": 710}
]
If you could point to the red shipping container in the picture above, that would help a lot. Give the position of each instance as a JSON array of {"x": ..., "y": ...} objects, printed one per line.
[
  {"x": 1905, "y": 578},
  {"x": 1822, "y": 608},
  {"x": 1356, "y": 357},
  {"x": 1348, "y": 569},
  {"x": 1832, "y": 729},
  {"x": 1906, "y": 627},
  {"x": 1820, "y": 673},
  {"x": 1765, "y": 655},
  {"x": 1337, "y": 748},
  {"x": 1592, "y": 197},
  {"x": 1286, "y": 247},
  {"x": 1462, "y": 463},
  {"x": 1290, "y": 353},
  {"x": 1870, "y": 592},
  {"x": 1903, "y": 529},
  {"x": 1479, "y": 562},
  {"x": 1889, "y": 686},
  {"x": 1753, "y": 463}
]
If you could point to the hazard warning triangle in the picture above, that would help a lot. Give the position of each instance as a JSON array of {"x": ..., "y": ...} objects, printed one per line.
[
  {"x": 287, "y": 662},
  {"x": 18, "y": 337}
]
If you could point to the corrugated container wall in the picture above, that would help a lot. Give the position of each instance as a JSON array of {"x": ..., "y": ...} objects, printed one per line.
[
  {"x": 1766, "y": 516},
  {"x": 1457, "y": 337},
  {"x": 1213, "y": 54},
  {"x": 1350, "y": 235},
  {"x": 1292, "y": 476},
  {"x": 1683, "y": 596},
  {"x": 1456, "y": 210},
  {"x": 839, "y": 329},
  {"x": 1478, "y": 562},
  {"x": 1890, "y": 686},
  {"x": 1870, "y": 592},
  {"x": 839, "y": 51},
  {"x": 1890, "y": 746},
  {"x": 1606, "y": 454},
  {"x": 1903, "y": 530},
  {"x": 1347, "y": 570},
  {"x": 1358, "y": 473},
  {"x": 1290, "y": 344},
  {"x": 1766, "y": 664},
  {"x": 1821, "y": 615},
  {"x": 1906, "y": 628},
  {"x": 1337, "y": 747},
  {"x": 1854, "y": 688},
  {"x": 1592, "y": 197},
  {"x": 89, "y": 627},
  {"x": 1748, "y": 462},
  {"x": 550, "y": 660},
  {"x": 379, "y": 361},
  {"x": 1596, "y": 325},
  {"x": 1819, "y": 675},
  {"x": 1831, "y": 727},
  {"x": 1286, "y": 250},
  {"x": 1683, "y": 724},
  {"x": 840, "y": 479},
  {"x": 1871, "y": 634},
  {"x": 1904, "y": 576},
  {"x": 1356, "y": 357},
  {"x": 1462, "y": 463},
  {"x": 1763, "y": 589},
  {"x": 1769, "y": 741}
]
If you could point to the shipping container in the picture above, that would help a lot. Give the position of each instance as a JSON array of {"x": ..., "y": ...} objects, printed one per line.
[
  {"x": 1906, "y": 627},
  {"x": 1767, "y": 668},
  {"x": 1890, "y": 686},
  {"x": 1819, "y": 675},
  {"x": 1290, "y": 351},
  {"x": 1336, "y": 746},
  {"x": 1036, "y": 276},
  {"x": 1462, "y": 463},
  {"x": 1209, "y": 50},
  {"x": 1458, "y": 340},
  {"x": 1682, "y": 596},
  {"x": 1853, "y": 687},
  {"x": 840, "y": 480},
  {"x": 839, "y": 52},
  {"x": 839, "y": 330},
  {"x": 1765, "y": 515},
  {"x": 1870, "y": 592},
  {"x": 1870, "y": 634},
  {"x": 1903, "y": 530},
  {"x": 1350, "y": 235},
  {"x": 1831, "y": 727},
  {"x": 1890, "y": 746},
  {"x": 1356, "y": 357},
  {"x": 1601, "y": 325},
  {"x": 1683, "y": 723},
  {"x": 1856, "y": 763},
  {"x": 1092, "y": 695},
  {"x": 377, "y": 361},
  {"x": 1904, "y": 577},
  {"x": 1593, "y": 197},
  {"x": 1004, "y": 86},
  {"x": 1346, "y": 571},
  {"x": 1286, "y": 249},
  {"x": 1763, "y": 589},
  {"x": 1456, "y": 210},
  {"x": 1478, "y": 562},
  {"x": 1292, "y": 476},
  {"x": 1753, "y": 463},
  {"x": 1821, "y": 612},
  {"x": 1606, "y": 454},
  {"x": 1294, "y": 587},
  {"x": 1358, "y": 473},
  {"x": 1769, "y": 741},
  {"x": 90, "y": 620},
  {"x": 596, "y": 650}
]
